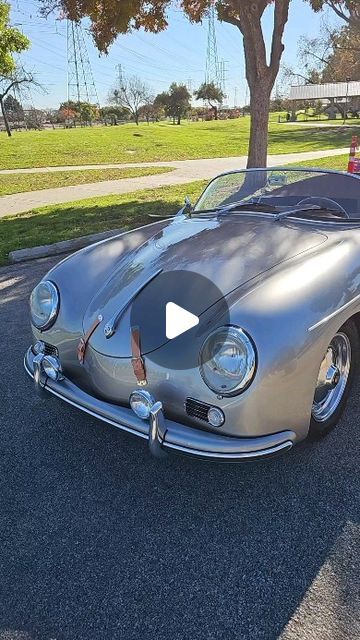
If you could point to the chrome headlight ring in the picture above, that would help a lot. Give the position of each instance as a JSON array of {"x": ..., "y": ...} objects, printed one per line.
[
  {"x": 44, "y": 305},
  {"x": 228, "y": 361}
]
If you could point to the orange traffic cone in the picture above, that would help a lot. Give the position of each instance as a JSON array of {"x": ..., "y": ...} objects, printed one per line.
[{"x": 353, "y": 149}]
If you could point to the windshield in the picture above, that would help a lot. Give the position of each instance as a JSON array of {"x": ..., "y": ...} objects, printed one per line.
[{"x": 314, "y": 193}]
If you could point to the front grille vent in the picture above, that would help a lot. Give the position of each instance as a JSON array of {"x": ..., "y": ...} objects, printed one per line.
[
  {"x": 197, "y": 409},
  {"x": 50, "y": 350}
]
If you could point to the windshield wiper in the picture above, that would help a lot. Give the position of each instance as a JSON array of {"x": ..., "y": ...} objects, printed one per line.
[
  {"x": 241, "y": 206},
  {"x": 289, "y": 212},
  {"x": 248, "y": 206}
]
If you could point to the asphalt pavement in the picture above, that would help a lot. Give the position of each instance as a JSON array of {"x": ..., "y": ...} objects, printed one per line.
[{"x": 99, "y": 541}]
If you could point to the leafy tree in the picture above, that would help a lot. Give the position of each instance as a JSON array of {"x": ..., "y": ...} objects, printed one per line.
[
  {"x": 85, "y": 112},
  {"x": 13, "y": 109},
  {"x": 348, "y": 10},
  {"x": 343, "y": 60},
  {"x": 12, "y": 41},
  {"x": 131, "y": 95},
  {"x": 151, "y": 111},
  {"x": 246, "y": 16},
  {"x": 113, "y": 114},
  {"x": 211, "y": 94},
  {"x": 88, "y": 113},
  {"x": 67, "y": 113},
  {"x": 176, "y": 102}
]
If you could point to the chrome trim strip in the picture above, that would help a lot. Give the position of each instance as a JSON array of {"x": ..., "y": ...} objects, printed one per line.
[
  {"x": 335, "y": 313},
  {"x": 228, "y": 457},
  {"x": 110, "y": 326}
]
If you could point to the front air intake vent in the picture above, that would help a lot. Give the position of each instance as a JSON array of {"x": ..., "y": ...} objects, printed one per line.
[
  {"x": 50, "y": 350},
  {"x": 197, "y": 409}
]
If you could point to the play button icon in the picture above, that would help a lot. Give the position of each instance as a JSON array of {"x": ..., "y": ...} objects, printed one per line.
[
  {"x": 178, "y": 320},
  {"x": 174, "y": 313}
]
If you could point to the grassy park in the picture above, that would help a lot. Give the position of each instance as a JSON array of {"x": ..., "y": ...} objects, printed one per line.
[
  {"x": 61, "y": 222},
  {"x": 128, "y": 143},
  {"x": 21, "y": 182},
  {"x": 159, "y": 142}
]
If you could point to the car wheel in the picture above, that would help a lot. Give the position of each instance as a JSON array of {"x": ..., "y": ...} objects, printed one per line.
[{"x": 336, "y": 375}]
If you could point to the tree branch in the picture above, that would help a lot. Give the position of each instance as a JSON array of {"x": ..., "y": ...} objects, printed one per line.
[
  {"x": 281, "y": 14},
  {"x": 15, "y": 83}
]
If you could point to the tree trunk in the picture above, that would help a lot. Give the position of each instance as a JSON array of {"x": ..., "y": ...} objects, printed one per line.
[
  {"x": 179, "y": 120},
  {"x": 258, "y": 142},
  {"x": 6, "y": 121},
  {"x": 261, "y": 70}
]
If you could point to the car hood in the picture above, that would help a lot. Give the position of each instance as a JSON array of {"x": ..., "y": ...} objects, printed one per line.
[{"x": 228, "y": 251}]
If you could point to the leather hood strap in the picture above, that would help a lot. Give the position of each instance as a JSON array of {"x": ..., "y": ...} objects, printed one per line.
[
  {"x": 85, "y": 339},
  {"x": 137, "y": 361}
]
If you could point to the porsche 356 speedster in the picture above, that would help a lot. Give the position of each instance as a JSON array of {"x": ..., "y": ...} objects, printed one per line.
[{"x": 267, "y": 267}]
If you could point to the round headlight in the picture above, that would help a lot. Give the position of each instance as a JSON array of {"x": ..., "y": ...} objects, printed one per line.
[
  {"x": 227, "y": 361},
  {"x": 44, "y": 305}
]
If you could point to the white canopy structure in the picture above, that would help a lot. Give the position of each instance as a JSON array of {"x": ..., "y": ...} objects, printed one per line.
[{"x": 332, "y": 91}]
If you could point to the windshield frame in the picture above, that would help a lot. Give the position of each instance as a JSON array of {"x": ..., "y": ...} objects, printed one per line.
[{"x": 315, "y": 170}]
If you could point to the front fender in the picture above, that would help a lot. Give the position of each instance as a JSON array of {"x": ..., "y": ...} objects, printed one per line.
[{"x": 292, "y": 314}]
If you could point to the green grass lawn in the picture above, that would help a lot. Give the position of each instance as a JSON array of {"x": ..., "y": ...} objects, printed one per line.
[
  {"x": 339, "y": 163},
  {"x": 61, "y": 222},
  {"x": 20, "y": 182},
  {"x": 159, "y": 141}
]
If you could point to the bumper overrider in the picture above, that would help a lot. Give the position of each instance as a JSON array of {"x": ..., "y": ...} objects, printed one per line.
[{"x": 163, "y": 435}]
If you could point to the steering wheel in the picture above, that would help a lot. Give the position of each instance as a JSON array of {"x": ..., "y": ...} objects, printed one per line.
[{"x": 324, "y": 202}]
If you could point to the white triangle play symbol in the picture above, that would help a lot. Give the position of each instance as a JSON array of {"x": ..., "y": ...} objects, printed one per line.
[{"x": 178, "y": 320}]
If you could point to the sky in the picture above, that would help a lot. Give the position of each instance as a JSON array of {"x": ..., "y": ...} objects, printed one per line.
[{"x": 177, "y": 54}]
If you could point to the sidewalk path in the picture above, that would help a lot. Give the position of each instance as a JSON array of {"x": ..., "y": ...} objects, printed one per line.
[{"x": 184, "y": 171}]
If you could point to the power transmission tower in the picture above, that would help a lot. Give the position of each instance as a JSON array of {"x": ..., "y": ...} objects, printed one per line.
[
  {"x": 212, "y": 61},
  {"x": 222, "y": 76},
  {"x": 120, "y": 71},
  {"x": 81, "y": 84}
]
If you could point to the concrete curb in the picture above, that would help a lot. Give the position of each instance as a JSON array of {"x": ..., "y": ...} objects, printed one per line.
[{"x": 66, "y": 246}]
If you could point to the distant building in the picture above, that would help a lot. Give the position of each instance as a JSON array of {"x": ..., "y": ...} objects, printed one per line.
[
  {"x": 342, "y": 97},
  {"x": 334, "y": 91}
]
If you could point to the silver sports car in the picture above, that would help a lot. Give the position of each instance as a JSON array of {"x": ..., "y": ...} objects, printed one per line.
[{"x": 228, "y": 332}]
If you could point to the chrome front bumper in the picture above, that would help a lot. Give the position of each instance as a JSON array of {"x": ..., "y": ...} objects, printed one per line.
[{"x": 163, "y": 435}]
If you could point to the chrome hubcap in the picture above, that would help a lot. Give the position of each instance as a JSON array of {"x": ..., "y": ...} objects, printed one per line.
[{"x": 332, "y": 378}]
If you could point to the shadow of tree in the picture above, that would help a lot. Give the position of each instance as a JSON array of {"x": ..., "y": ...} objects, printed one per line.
[
  {"x": 99, "y": 540},
  {"x": 56, "y": 223}
]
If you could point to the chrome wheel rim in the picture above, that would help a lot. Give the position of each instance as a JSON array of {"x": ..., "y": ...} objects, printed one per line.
[{"x": 332, "y": 379}]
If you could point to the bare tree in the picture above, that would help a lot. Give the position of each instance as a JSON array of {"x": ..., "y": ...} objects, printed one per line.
[
  {"x": 17, "y": 81},
  {"x": 131, "y": 94}
]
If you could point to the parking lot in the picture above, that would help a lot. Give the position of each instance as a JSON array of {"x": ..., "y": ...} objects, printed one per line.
[{"x": 101, "y": 541}]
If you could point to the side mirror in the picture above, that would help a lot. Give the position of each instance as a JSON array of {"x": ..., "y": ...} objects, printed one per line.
[
  {"x": 188, "y": 204},
  {"x": 186, "y": 209}
]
